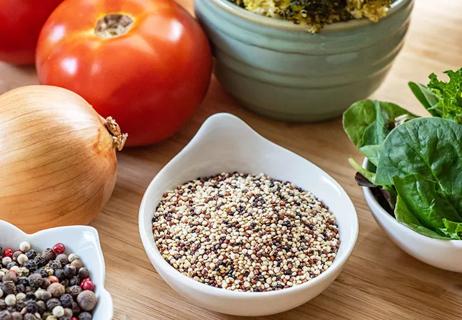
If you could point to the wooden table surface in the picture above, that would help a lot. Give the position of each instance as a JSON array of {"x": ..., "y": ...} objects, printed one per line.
[{"x": 379, "y": 281}]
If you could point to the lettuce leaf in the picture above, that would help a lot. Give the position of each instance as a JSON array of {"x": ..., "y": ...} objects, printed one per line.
[{"x": 442, "y": 98}]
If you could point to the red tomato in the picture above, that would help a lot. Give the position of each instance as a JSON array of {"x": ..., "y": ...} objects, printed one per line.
[
  {"x": 20, "y": 25},
  {"x": 147, "y": 63}
]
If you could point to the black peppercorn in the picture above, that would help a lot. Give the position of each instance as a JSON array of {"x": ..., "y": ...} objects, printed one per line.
[
  {"x": 40, "y": 261},
  {"x": 74, "y": 281},
  {"x": 85, "y": 316},
  {"x": 62, "y": 258},
  {"x": 20, "y": 288},
  {"x": 31, "y": 254},
  {"x": 43, "y": 273},
  {"x": 48, "y": 254},
  {"x": 66, "y": 300},
  {"x": 70, "y": 271},
  {"x": 83, "y": 273},
  {"x": 30, "y": 296},
  {"x": 23, "y": 280},
  {"x": 35, "y": 280},
  {"x": 53, "y": 302},
  {"x": 75, "y": 290},
  {"x": 8, "y": 287},
  {"x": 31, "y": 265},
  {"x": 59, "y": 273},
  {"x": 31, "y": 306},
  {"x": 19, "y": 305},
  {"x": 55, "y": 265}
]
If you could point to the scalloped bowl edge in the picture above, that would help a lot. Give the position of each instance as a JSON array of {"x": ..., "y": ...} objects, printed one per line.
[
  {"x": 82, "y": 240},
  {"x": 211, "y": 139}
]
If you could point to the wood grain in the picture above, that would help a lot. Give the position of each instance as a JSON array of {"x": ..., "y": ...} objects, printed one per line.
[{"x": 379, "y": 281}]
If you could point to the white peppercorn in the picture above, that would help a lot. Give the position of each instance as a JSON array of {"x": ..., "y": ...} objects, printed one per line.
[
  {"x": 73, "y": 257},
  {"x": 22, "y": 259},
  {"x": 24, "y": 246},
  {"x": 10, "y": 300},
  {"x": 58, "y": 311}
]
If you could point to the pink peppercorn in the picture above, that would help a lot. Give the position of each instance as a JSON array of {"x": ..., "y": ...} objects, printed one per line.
[
  {"x": 53, "y": 279},
  {"x": 59, "y": 248},
  {"x": 8, "y": 252},
  {"x": 74, "y": 318},
  {"x": 87, "y": 284}
]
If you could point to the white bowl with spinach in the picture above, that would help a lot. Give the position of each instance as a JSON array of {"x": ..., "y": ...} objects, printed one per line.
[{"x": 412, "y": 178}]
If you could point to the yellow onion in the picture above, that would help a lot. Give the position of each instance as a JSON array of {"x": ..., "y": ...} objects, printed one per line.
[{"x": 58, "y": 160}]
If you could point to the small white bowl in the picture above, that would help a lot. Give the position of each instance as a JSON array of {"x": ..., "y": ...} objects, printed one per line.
[
  {"x": 81, "y": 240},
  {"x": 443, "y": 254},
  {"x": 225, "y": 143}
]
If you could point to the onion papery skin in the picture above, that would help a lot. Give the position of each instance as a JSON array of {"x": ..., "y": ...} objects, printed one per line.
[{"x": 58, "y": 164}]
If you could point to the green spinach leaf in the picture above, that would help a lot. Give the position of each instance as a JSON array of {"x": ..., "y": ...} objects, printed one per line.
[
  {"x": 425, "y": 200},
  {"x": 427, "y": 148},
  {"x": 426, "y": 97},
  {"x": 406, "y": 217},
  {"x": 371, "y": 152},
  {"x": 367, "y": 124}
]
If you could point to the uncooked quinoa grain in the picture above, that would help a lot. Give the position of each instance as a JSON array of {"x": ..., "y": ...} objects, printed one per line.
[{"x": 245, "y": 232}]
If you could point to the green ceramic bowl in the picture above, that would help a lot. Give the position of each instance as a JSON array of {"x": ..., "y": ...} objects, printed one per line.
[{"x": 278, "y": 69}]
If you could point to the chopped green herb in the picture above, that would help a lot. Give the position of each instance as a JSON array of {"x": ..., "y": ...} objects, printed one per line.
[{"x": 442, "y": 99}]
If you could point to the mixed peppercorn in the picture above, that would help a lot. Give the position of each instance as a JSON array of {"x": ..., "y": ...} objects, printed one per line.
[
  {"x": 48, "y": 285},
  {"x": 245, "y": 232},
  {"x": 314, "y": 14}
]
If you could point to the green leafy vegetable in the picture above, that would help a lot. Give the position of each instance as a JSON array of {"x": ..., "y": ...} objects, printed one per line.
[
  {"x": 442, "y": 99},
  {"x": 423, "y": 198},
  {"x": 415, "y": 164},
  {"x": 405, "y": 216},
  {"x": 371, "y": 152},
  {"x": 453, "y": 229},
  {"x": 367, "y": 124},
  {"x": 369, "y": 175},
  {"x": 430, "y": 148},
  {"x": 422, "y": 159},
  {"x": 425, "y": 96}
]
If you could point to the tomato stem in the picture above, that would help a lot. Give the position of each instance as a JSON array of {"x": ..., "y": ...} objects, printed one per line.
[{"x": 113, "y": 25}]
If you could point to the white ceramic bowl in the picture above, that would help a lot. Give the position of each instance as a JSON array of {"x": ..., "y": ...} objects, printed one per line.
[
  {"x": 443, "y": 254},
  {"x": 82, "y": 240},
  {"x": 224, "y": 143}
]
